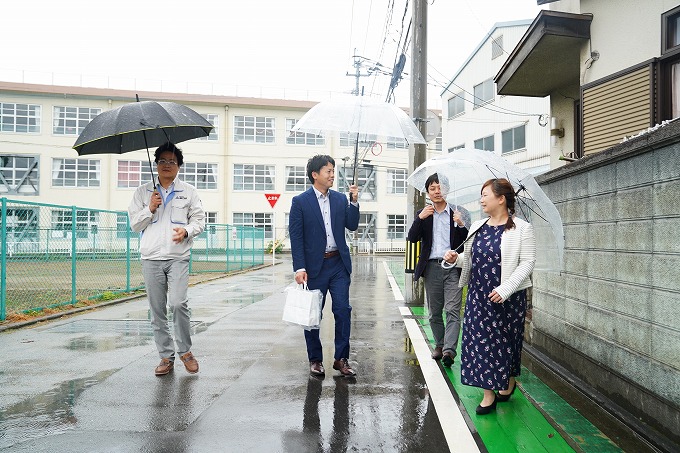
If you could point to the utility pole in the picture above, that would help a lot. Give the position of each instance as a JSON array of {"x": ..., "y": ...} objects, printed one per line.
[
  {"x": 357, "y": 74},
  {"x": 415, "y": 291}
]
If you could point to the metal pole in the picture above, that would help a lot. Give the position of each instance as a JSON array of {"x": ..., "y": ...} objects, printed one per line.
[{"x": 415, "y": 291}]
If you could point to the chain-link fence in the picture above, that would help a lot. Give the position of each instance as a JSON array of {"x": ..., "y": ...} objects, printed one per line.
[{"x": 54, "y": 255}]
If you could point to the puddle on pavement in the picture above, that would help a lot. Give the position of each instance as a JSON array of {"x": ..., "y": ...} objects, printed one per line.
[{"x": 45, "y": 414}]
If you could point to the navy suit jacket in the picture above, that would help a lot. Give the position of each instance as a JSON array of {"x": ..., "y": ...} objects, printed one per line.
[
  {"x": 308, "y": 233},
  {"x": 421, "y": 230}
]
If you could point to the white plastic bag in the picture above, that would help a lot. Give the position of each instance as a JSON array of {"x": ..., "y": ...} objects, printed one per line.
[{"x": 303, "y": 306}]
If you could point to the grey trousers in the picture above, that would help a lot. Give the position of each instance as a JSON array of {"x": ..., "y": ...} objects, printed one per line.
[
  {"x": 443, "y": 294},
  {"x": 167, "y": 282}
]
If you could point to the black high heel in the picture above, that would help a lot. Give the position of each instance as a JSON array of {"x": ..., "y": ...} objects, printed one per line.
[
  {"x": 503, "y": 398},
  {"x": 483, "y": 410}
]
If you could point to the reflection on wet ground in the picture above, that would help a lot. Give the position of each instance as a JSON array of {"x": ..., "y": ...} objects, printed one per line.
[
  {"x": 48, "y": 413},
  {"x": 252, "y": 393}
]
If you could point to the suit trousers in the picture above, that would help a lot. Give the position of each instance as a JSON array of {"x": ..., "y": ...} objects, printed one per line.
[
  {"x": 335, "y": 279},
  {"x": 443, "y": 294},
  {"x": 167, "y": 282}
]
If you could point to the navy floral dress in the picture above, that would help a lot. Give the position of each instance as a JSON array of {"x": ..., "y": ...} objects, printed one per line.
[{"x": 491, "y": 346}]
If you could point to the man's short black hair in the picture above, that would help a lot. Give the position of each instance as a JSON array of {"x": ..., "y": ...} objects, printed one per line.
[
  {"x": 168, "y": 146},
  {"x": 316, "y": 163},
  {"x": 442, "y": 180}
]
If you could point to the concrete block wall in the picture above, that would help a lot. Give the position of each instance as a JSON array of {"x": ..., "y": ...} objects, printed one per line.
[{"x": 613, "y": 316}]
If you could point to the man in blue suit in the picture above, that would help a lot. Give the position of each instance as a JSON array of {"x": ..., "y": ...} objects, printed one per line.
[{"x": 318, "y": 218}]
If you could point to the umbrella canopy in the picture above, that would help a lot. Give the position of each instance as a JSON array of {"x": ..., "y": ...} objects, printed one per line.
[
  {"x": 140, "y": 125},
  {"x": 466, "y": 170},
  {"x": 359, "y": 115}
]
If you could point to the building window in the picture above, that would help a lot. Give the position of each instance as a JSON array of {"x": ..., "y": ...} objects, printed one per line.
[
  {"x": 201, "y": 175},
  {"x": 296, "y": 179},
  {"x": 62, "y": 223},
  {"x": 396, "y": 226},
  {"x": 496, "y": 47},
  {"x": 72, "y": 120},
  {"x": 439, "y": 142},
  {"x": 133, "y": 173},
  {"x": 456, "y": 104},
  {"x": 301, "y": 138},
  {"x": 513, "y": 139},
  {"x": 255, "y": 219},
  {"x": 396, "y": 143},
  {"x": 669, "y": 87},
  {"x": 254, "y": 129},
  {"x": 19, "y": 175},
  {"x": 347, "y": 139},
  {"x": 396, "y": 180},
  {"x": 253, "y": 177},
  {"x": 484, "y": 93},
  {"x": 23, "y": 118},
  {"x": 76, "y": 173},
  {"x": 485, "y": 144},
  {"x": 213, "y": 119},
  {"x": 366, "y": 181},
  {"x": 22, "y": 228},
  {"x": 454, "y": 148},
  {"x": 210, "y": 218},
  {"x": 366, "y": 230}
]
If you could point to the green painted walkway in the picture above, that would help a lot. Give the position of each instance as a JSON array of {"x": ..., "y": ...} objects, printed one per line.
[{"x": 535, "y": 419}]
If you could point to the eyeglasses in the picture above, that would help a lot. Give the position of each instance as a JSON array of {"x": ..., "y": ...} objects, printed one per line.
[{"x": 166, "y": 162}]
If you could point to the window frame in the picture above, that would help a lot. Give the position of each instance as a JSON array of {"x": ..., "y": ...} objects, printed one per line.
[
  {"x": 301, "y": 138},
  {"x": 478, "y": 101},
  {"x": 254, "y": 129},
  {"x": 73, "y": 165},
  {"x": 396, "y": 181},
  {"x": 77, "y": 123},
  {"x": 395, "y": 229},
  {"x": 457, "y": 111},
  {"x": 193, "y": 172},
  {"x": 32, "y": 122},
  {"x": 214, "y": 119},
  {"x": 512, "y": 130},
  {"x": 263, "y": 220},
  {"x": 31, "y": 174},
  {"x": 484, "y": 143},
  {"x": 255, "y": 181},
  {"x": 296, "y": 173}
]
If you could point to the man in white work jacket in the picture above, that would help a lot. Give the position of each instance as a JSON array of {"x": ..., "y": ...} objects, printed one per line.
[{"x": 168, "y": 216}]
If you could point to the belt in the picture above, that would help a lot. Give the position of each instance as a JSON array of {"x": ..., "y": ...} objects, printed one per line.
[
  {"x": 437, "y": 260},
  {"x": 331, "y": 254}
]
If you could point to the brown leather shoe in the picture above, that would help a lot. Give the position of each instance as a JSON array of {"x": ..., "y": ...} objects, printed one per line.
[
  {"x": 190, "y": 362},
  {"x": 316, "y": 368},
  {"x": 343, "y": 366},
  {"x": 437, "y": 354},
  {"x": 164, "y": 367}
]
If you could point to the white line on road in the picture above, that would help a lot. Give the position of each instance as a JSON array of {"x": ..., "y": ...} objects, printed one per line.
[{"x": 456, "y": 431}]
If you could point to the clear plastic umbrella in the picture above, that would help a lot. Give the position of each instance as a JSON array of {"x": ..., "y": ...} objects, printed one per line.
[
  {"x": 466, "y": 170},
  {"x": 359, "y": 117}
]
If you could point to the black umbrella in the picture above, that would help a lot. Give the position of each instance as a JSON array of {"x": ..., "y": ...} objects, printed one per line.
[{"x": 139, "y": 125}]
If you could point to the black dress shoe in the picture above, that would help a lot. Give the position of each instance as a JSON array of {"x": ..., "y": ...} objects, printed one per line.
[
  {"x": 503, "y": 398},
  {"x": 447, "y": 359},
  {"x": 483, "y": 410},
  {"x": 437, "y": 353},
  {"x": 343, "y": 366},
  {"x": 316, "y": 368}
]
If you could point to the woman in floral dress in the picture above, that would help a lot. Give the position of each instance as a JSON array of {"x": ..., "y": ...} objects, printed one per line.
[{"x": 497, "y": 264}]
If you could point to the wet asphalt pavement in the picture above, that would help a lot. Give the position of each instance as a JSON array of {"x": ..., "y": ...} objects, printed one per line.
[{"x": 86, "y": 384}]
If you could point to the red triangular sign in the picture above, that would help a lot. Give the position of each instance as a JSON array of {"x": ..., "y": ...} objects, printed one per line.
[{"x": 272, "y": 198}]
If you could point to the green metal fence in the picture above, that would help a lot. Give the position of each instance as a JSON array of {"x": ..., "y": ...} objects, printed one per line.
[{"x": 54, "y": 255}]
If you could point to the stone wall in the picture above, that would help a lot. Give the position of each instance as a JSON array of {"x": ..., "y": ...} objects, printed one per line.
[{"x": 613, "y": 316}]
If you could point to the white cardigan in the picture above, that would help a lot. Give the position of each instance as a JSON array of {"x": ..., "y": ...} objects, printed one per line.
[{"x": 518, "y": 256}]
